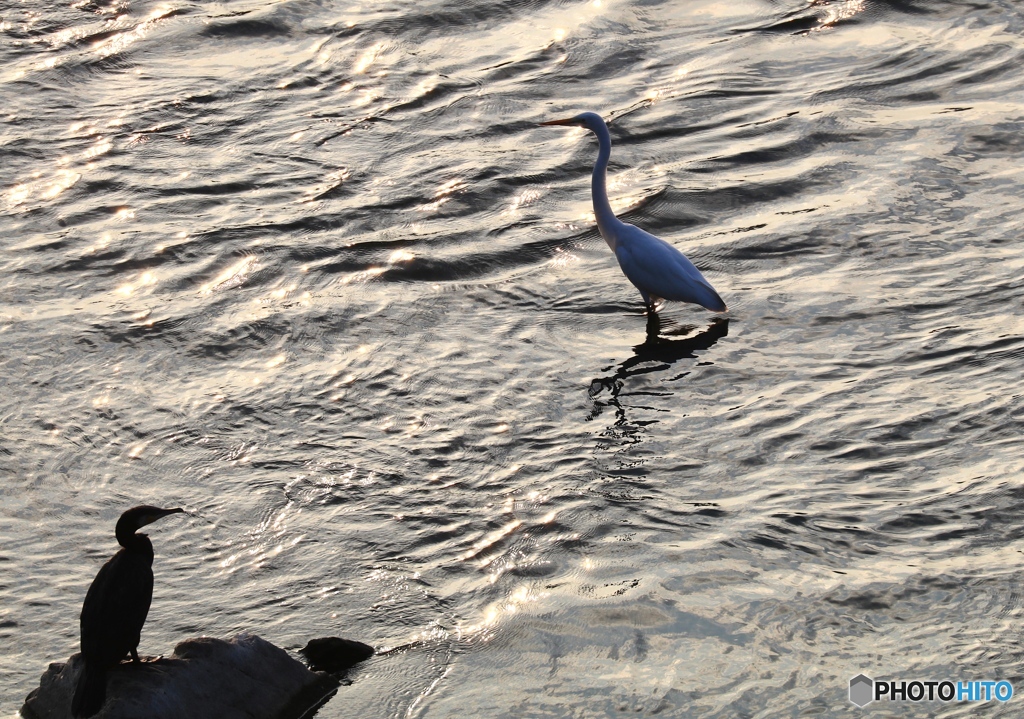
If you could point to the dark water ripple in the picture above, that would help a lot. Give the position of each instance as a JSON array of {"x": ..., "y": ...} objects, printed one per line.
[{"x": 312, "y": 271}]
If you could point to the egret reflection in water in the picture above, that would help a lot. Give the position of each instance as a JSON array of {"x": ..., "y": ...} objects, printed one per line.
[{"x": 657, "y": 353}]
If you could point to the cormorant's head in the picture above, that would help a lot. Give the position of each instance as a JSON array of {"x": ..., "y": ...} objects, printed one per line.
[
  {"x": 138, "y": 517},
  {"x": 590, "y": 120}
]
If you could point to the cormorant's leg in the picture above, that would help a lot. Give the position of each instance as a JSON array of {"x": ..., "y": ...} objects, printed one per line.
[{"x": 135, "y": 656}]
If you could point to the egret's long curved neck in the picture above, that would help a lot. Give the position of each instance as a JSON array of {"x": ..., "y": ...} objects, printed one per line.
[{"x": 602, "y": 208}]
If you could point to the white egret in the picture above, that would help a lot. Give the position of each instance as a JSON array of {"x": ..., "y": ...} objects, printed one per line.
[{"x": 656, "y": 268}]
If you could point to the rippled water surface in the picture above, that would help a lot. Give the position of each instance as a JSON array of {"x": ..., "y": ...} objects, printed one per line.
[{"x": 311, "y": 270}]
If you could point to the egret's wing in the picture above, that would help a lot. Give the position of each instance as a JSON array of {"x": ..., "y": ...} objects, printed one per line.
[{"x": 659, "y": 269}]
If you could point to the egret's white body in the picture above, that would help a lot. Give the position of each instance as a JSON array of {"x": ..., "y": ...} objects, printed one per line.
[{"x": 656, "y": 268}]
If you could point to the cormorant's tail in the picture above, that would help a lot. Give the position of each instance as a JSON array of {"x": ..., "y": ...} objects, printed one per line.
[{"x": 90, "y": 692}]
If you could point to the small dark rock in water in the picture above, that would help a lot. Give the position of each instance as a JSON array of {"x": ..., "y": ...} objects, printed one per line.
[
  {"x": 335, "y": 655},
  {"x": 243, "y": 678}
]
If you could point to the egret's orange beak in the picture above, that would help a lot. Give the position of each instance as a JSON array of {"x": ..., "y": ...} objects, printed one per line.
[{"x": 566, "y": 121}]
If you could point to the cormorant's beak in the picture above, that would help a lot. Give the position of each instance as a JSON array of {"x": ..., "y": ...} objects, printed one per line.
[
  {"x": 158, "y": 514},
  {"x": 565, "y": 121}
]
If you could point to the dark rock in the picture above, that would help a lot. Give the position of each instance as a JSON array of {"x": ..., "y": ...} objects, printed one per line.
[
  {"x": 335, "y": 655},
  {"x": 243, "y": 678}
]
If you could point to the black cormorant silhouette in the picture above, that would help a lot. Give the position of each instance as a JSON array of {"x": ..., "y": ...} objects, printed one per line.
[{"x": 115, "y": 608}]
